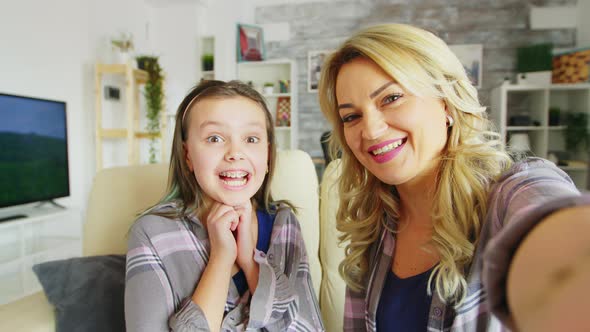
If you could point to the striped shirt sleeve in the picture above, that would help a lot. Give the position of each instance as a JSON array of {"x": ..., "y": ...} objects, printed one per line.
[
  {"x": 149, "y": 297},
  {"x": 534, "y": 190},
  {"x": 284, "y": 299}
]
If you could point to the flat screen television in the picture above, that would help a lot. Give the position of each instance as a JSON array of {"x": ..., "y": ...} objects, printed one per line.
[{"x": 33, "y": 150}]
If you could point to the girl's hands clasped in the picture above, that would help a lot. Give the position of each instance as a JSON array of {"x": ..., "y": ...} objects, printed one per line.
[
  {"x": 231, "y": 234},
  {"x": 221, "y": 222},
  {"x": 245, "y": 237}
]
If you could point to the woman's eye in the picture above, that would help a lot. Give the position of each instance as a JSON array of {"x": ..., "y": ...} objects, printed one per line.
[
  {"x": 391, "y": 98},
  {"x": 253, "y": 139},
  {"x": 349, "y": 117},
  {"x": 214, "y": 139}
]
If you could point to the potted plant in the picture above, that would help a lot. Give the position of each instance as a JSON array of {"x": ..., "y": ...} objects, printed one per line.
[
  {"x": 534, "y": 63},
  {"x": 154, "y": 94},
  {"x": 207, "y": 62},
  {"x": 123, "y": 47},
  {"x": 576, "y": 135},
  {"x": 554, "y": 116},
  {"x": 268, "y": 88}
]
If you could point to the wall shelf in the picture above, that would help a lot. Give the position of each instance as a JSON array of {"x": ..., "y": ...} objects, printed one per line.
[
  {"x": 533, "y": 102},
  {"x": 134, "y": 78},
  {"x": 258, "y": 73}
]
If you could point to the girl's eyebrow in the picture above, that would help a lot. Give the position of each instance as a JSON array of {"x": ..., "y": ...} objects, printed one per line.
[
  {"x": 372, "y": 95},
  {"x": 222, "y": 124},
  {"x": 211, "y": 123}
]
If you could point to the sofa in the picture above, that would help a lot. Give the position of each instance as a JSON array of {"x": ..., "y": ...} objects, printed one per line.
[{"x": 119, "y": 193}]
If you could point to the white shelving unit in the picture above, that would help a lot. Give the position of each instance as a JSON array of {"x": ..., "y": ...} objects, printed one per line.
[
  {"x": 260, "y": 72},
  {"x": 534, "y": 102},
  {"x": 46, "y": 234}
]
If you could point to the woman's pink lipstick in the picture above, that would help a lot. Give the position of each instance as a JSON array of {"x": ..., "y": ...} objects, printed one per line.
[{"x": 387, "y": 156}]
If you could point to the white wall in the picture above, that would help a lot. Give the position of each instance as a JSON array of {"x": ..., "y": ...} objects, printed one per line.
[
  {"x": 44, "y": 52},
  {"x": 219, "y": 19},
  {"x": 583, "y": 37},
  {"x": 48, "y": 50}
]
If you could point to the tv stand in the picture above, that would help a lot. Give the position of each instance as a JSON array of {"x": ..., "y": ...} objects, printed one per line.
[
  {"x": 50, "y": 201},
  {"x": 44, "y": 234},
  {"x": 13, "y": 217}
]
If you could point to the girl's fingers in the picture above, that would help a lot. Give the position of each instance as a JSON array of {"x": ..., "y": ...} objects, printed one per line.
[
  {"x": 230, "y": 217},
  {"x": 218, "y": 210}
]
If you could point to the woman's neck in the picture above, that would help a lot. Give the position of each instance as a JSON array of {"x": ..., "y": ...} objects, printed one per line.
[{"x": 417, "y": 199}]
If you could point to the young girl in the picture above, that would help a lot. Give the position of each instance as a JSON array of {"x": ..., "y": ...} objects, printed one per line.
[{"x": 204, "y": 258}]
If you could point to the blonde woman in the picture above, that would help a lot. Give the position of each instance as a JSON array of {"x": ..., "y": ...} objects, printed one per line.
[{"x": 444, "y": 228}]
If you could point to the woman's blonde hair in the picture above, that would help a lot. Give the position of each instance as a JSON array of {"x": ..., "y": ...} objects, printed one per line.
[
  {"x": 183, "y": 188},
  {"x": 473, "y": 157}
]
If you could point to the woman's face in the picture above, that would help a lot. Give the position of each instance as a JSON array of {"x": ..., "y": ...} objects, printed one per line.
[{"x": 395, "y": 135}]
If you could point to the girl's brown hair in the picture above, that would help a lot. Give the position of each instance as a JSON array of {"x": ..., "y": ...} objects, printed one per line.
[{"x": 183, "y": 188}]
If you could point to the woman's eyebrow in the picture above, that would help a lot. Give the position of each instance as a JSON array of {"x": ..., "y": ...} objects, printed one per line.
[
  {"x": 372, "y": 95},
  {"x": 379, "y": 90},
  {"x": 348, "y": 105}
]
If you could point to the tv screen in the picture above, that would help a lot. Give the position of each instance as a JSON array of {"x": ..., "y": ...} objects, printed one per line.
[{"x": 33, "y": 150}]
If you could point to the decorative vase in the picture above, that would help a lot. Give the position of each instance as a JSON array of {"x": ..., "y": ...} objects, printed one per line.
[{"x": 267, "y": 90}]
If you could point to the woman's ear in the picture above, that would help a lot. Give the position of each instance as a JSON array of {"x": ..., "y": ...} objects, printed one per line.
[{"x": 187, "y": 157}]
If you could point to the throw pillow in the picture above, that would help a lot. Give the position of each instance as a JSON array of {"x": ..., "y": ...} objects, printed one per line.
[{"x": 87, "y": 292}]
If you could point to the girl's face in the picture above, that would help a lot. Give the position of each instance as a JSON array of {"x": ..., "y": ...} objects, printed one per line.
[
  {"x": 227, "y": 148},
  {"x": 395, "y": 135}
]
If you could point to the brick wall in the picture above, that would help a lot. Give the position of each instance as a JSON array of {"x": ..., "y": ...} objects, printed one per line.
[{"x": 500, "y": 25}]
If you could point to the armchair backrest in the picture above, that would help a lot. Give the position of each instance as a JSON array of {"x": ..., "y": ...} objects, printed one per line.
[
  {"x": 118, "y": 194},
  {"x": 331, "y": 252}
]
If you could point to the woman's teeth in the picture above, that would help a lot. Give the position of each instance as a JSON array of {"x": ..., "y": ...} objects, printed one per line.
[{"x": 387, "y": 148}]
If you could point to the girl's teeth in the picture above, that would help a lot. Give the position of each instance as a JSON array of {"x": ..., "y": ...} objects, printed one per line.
[
  {"x": 235, "y": 183},
  {"x": 233, "y": 174}
]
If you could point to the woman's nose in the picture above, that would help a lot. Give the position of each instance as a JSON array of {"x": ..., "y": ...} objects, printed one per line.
[{"x": 373, "y": 125}]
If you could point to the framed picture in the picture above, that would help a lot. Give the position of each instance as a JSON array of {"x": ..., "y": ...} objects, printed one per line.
[
  {"x": 250, "y": 43},
  {"x": 315, "y": 60},
  {"x": 470, "y": 56}
]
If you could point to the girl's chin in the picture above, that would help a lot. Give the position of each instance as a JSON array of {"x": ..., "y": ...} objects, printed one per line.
[{"x": 235, "y": 201}]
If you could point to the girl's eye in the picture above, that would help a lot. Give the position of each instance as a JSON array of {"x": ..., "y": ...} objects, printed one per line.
[
  {"x": 253, "y": 139},
  {"x": 214, "y": 139},
  {"x": 391, "y": 98},
  {"x": 350, "y": 117}
]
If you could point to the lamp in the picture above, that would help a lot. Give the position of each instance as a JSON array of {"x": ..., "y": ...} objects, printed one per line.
[{"x": 519, "y": 142}]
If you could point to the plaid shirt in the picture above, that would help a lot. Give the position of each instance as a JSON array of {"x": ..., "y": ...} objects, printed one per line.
[
  {"x": 529, "y": 191},
  {"x": 166, "y": 258}
]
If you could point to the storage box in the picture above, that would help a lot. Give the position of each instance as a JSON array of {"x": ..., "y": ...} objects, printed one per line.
[{"x": 571, "y": 66}]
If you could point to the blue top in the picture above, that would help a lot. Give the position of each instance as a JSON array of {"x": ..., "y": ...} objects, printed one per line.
[
  {"x": 404, "y": 304},
  {"x": 265, "y": 222}
]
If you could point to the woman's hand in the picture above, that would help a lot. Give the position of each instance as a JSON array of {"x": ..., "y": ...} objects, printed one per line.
[
  {"x": 548, "y": 278},
  {"x": 221, "y": 222}
]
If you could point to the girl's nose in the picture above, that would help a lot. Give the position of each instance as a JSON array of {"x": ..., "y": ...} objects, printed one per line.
[{"x": 234, "y": 153}]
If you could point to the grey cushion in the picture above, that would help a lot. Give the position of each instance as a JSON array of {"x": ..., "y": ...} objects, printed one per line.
[{"x": 87, "y": 292}]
